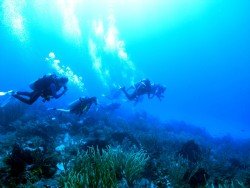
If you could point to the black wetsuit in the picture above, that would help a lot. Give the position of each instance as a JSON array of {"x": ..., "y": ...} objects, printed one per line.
[
  {"x": 81, "y": 105},
  {"x": 45, "y": 87},
  {"x": 141, "y": 88}
]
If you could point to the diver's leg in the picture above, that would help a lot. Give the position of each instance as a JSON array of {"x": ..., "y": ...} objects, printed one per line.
[
  {"x": 25, "y": 93},
  {"x": 22, "y": 99},
  {"x": 129, "y": 96},
  {"x": 59, "y": 109},
  {"x": 62, "y": 110},
  {"x": 131, "y": 87},
  {"x": 33, "y": 96},
  {"x": 125, "y": 92}
]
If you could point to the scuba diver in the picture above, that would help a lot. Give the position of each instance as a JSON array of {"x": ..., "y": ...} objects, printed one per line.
[
  {"x": 157, "y": 90},
  {"x": 79, "y": 106},
  {"x": 45, "y": 87},
  {"x": 140, "y": 88}
]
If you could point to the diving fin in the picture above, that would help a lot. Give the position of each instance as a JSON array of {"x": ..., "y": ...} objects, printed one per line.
[
  {"x": 6, "y": 93},
  {"x": 51, "y": 109},
  {"x": 3, "y": 93}
]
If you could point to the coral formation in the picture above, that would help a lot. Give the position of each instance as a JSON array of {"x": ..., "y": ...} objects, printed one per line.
[
  {"x": 44, "y": 149},
  {"x": 191, "y": 151}
]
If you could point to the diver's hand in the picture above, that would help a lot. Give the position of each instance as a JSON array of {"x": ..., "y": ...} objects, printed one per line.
[
  {"x": 65, "y": 88},
  {"x": 46, "y": 99}
]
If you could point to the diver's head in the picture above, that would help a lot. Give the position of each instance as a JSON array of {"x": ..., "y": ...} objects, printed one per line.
[
  {"x": 146, "y": 81},
  {"x": 63, "y": 80},
  {"x": 94, "y": 100}
]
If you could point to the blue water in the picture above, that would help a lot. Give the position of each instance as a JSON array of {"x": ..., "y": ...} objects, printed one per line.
[{"x": 198, "y": 49}]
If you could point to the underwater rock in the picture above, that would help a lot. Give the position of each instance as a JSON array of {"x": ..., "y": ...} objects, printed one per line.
[
  {"x": 66, "y": 138},
  {"x": 101, "y": 144},
  {"x": 74, "y": 129},
  {"x": 90, "y": 121},
  {"x": 18, "y": 159},
  {"x": 123, "y": 183},
  {"x": 37, "y": 129},
  {"x": 191, "y": 151},
  {"x": 11, "y": 112},
  {"x": 247, "y": 180},
  {"x": 98, "y": 134},
  {"x": 144, "y": 183},
  {"x": 236, "y": 163},
  {"x": 29, "y": 165},
  {"x": 29, "y": 148},
  {"x": 46, "y": 184},
  {"x": 198, "y": 179},
  {"x": 121, "y": 136},
  {"x": 60, "y": 148},
  {"x": 7, "y": 128},
  {"x": 65, "y": 126},
  {"x": 16, "y": 163},
  {"x": 153, "y": 172},
  {"x": 37, "y": 156},
  {"x": 153, "y": 144}
]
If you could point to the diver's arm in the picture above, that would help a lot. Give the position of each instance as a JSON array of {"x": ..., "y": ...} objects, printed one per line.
[
  {"x": 63, "y": 110},
  {"x": 54, "y": 93},
  {"x": 59, "y": 109},
  {"x": 160, "y": 96}
]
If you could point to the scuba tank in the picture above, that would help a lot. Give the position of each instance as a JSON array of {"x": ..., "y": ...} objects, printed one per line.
[
  {"x": 78, "y": 106},
  {"x": 43, "y": 83},
  {"x": 75, "y": 104}
]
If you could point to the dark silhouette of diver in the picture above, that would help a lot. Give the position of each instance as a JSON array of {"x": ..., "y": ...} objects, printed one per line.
[
  {"x": 157, "y": 90},
  {"x": 79, "y": 106},
  {"x": 141, "y": 88},
  {"x": 45, "y": 87}
]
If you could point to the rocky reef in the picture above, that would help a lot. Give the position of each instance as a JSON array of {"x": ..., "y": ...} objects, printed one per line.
[{"x": 39, "y": 148}]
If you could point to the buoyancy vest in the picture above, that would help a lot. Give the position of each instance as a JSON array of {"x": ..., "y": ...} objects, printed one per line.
[{"x": 43, "y": 84}]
